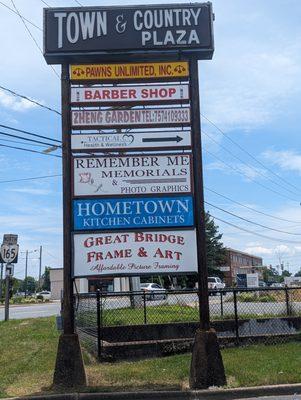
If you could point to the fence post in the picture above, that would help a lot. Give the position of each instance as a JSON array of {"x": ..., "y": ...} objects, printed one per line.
[
  {"x": 98, "y": 324},
  {"x": 287, "y": 302},
  {"x": 222, "y": 305},
  {"x": 144, "y": 307},
  {"x": 236, "y": 317}
]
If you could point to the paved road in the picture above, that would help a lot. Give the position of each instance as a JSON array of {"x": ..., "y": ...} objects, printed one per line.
[
  {"x": 32, "y": 311},
  {"x": 294, "y": 397}
]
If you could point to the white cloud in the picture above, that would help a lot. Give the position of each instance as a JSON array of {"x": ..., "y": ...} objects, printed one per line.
[
  {"x": 249, "y": 173},
  {"x": 287, "y": 159},
  {"x": 15, "y": 103},
  {"x": 34, "y": 191},
  {"x": 259, "y": 250}
]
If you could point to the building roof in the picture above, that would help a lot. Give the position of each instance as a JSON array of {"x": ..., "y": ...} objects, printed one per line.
[{"x": 243, "y": 253}]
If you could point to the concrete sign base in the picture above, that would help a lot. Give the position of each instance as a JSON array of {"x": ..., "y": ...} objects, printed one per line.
[{"x": 207, "y": 367}]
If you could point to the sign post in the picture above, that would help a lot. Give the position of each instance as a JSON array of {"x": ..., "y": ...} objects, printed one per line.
[{"x": 8, "y": 255}]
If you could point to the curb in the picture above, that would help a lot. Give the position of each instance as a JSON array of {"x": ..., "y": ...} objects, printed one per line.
[{"x": 214, "y": 394}]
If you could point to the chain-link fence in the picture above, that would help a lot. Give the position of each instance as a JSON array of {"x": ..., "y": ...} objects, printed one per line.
[{"x": 238, "y": 315}]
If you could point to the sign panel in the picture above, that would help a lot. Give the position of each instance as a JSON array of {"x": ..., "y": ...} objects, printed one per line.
[
  {"x": 139, "y": 212},
  {"x": 9, "y": 238},
  {"x": 9, "y": 253},
  {"x": 131, "y": 141},
  {"x": 125, "y": 118},
  {"x": 129, "y": 71},
  {"x": 132, "y": 175},
  {"x": 135, "y": 253},
  {"x": 98, "y": 31},
  {"x": 118, "y": 95}
]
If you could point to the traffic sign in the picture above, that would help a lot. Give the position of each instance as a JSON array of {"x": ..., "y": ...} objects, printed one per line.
[
  {"x": 127, "y": 213},
  {"x": 150, "y": 140},
  {"x": 9, "y": 238},
  {"x": 135, "y": 253},
  {"x": 118, "y": 95},
  {"x": 132, "y": 175},
  {"x": 9, "y": 253},
  {"x": 125, "y": 118},
  {"x": 130, "y": 71}
]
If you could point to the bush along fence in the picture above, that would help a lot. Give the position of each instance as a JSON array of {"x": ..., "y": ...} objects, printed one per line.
[{"x": 238, "y": 315}]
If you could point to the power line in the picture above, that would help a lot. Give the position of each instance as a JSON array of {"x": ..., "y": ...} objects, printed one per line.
[
  {"x": 250, "y": 208},
  {"x": 27, "y": 139},
  {"x": 31, "y": 35},
  {"x": 47, "y": 5},
  {"x": 31, "y": 179},
  {"x": 30, "y": 100},
  {"x": 249, "y": 154},
  {"x": 254, "y": 233},
  {"x": 249, "y": 165},
  {"x": 27, "y": 20},
  {"x": 29, "y": 133},
  {"x": 252, "y": 222},
  {"x": 257, "y": 183},
  {"x": 31, "y": 151},
  {"x": 19, "y": 142},
  {"x": 77, "y": 2}
]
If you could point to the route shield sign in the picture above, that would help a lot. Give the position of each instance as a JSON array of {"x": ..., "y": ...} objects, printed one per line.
[
  {"x": 150, "y": 140},
  {"x": 9, "y": 253},
  {"x": 135, "y": 253},
  {"x": 132, "y": 175},
  {"x": 128, "y": 213}
]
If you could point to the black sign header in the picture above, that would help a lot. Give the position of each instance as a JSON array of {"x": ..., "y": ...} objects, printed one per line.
[{"x": 92, "y": 33}]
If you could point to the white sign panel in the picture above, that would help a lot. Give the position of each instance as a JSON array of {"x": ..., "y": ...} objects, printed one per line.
[
  {"x": 129, "y": 141},
  {"x": 252, "y": 280},
  {"x": 135, "y": 253},
  {"x": 147, "y": 94},
  {"x": 135, "y": 174},
  {"x": 125, "y": 118}
]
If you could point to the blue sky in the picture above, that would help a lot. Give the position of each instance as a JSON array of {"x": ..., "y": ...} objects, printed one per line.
[{"x": 251, "y": 90}]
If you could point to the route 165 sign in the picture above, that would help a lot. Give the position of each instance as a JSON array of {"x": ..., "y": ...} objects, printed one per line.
[{"x": 9, "y": 253}]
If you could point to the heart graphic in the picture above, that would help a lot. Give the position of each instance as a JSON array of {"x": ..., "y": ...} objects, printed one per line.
[{"x": 128, "y": 139}]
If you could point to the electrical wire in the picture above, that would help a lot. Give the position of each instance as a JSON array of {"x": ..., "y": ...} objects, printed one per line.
[
  {"x": 31, "y": 179},
  {"x": 29, "y": 133},
  {"x": 257, "y": 183},
  {"x": 23, "y": 143},
  {"x": 252, "y": 222},
  {"x": 28, "y": 140},
  {"x": 248, "y": 153},
  {"x": 250, "y": 208},
  {"x": 248, "y": 165},
  {"x": 77, "y": 2},
  {"x": 31, "y": 151},
  {"x": 254, "y": 233},
  {"x": 30, "y": 100},
  {"x": 31, "y": 35},
  {"x": 27, "y": 20}
]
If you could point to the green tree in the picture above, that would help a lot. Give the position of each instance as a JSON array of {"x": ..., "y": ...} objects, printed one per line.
[
  {"x": 270, "y": 274},
  {"x": 216, "y": 252},
  {"x": 29, "y": 285},
  {"x": 298, "y": 274},
  {"x": 46, "y": 279}
]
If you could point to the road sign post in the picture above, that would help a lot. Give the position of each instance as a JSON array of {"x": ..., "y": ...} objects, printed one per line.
[
  {"x": 69, "y": 367},
  {"x": 207, "y": 367}
]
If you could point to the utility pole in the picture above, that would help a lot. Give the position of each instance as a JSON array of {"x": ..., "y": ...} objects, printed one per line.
[
  {"x": 1, "y": 280},
  {"x": 26, "y": 263},
  {"x": 40, "y": 267},
  {"x": 7, "y": 282}
]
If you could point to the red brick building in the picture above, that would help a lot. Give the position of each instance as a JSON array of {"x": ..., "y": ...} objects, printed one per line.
[{"x": 239, "y": 262}]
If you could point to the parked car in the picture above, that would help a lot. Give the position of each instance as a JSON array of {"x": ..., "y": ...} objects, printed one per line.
[
  {"x": 44, "y": 295},
  {"x": 277, "y": 285},
  {"x": 262, "y": 284},
  {"x": 153, "y": 291},
  {"x": 215, "y": 283}
]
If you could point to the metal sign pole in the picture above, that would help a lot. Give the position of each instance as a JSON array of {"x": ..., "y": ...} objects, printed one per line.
[
  {"x": 7, "y": 280},
  {"x": 69, "y": 368},
  {"x": 207, "y": 367}
]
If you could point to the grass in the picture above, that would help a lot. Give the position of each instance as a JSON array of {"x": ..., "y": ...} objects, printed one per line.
[{"x": 28, "y": 350}]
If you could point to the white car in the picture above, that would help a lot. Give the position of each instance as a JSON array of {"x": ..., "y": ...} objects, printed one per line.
[
  {"x": 45, "y": 294},
  {"x": 215, "y": 283},
  {"x": 153, "y": 291}
]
